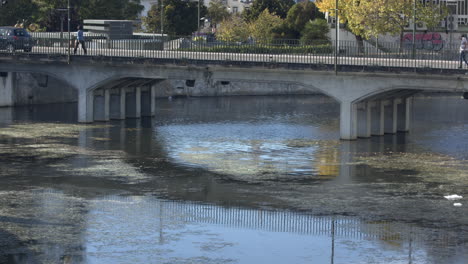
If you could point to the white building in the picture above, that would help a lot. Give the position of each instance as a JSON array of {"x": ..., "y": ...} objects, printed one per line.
[{"x": 233, "y": 6}]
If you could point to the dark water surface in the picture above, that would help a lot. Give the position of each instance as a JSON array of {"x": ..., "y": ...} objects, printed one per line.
[{"x": 233, "y": 180}]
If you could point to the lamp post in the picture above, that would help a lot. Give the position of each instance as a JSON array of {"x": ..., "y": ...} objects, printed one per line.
[
  {"x": 198, "y": 23},
  {"x": 337, "y": 27},
  {"x": 69, "y": 33},
  {"x": 162, "y": 17},
  {"x": 414, "y": 29}
]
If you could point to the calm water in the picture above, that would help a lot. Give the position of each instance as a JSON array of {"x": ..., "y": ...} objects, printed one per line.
[{"x": 233, "y": 180}]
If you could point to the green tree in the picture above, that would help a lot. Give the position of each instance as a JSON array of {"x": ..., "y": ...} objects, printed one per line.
[
  {"x": 366, "y": 18},
  {"x": 49, "y": 17},
  {"x": 233, "y": 29},
  {"x": 300, "y": 14},
  {"x": 262, "y": 30},
  {"x": 217, "y": 12},
  {"x": 315, "y": 30},
  {"x": 278, "y": 7},
  {"x": 18, "y": 10},
  {"x": 179, "y": 17}
]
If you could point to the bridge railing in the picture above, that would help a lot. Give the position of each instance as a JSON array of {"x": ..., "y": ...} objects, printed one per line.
[{"x": 424, "y": 54}]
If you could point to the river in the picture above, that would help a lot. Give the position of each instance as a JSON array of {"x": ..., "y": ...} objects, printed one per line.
[{"x": 233, "y": 180}]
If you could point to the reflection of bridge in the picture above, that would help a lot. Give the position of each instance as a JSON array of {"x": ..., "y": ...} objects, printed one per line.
[
  {"x": 124, "y": 84},
  {"x": 290, "y": 222}
]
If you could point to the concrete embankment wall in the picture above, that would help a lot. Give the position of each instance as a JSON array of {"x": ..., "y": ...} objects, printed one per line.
[
  {"x": 28, "y": 88},
  {"x": 199, "y": 89},
  {"x": 31, "y": 88}
]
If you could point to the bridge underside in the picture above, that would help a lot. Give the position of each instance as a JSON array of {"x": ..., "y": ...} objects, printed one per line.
[{"x": 370, "y": 104}]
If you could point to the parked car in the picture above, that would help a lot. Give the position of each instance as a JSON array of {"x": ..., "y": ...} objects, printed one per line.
[{"x": 13, "y": 38}]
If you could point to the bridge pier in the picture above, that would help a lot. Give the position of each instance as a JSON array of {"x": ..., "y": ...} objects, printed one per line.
[
  {"x": 390, "y": 116},
  {"x": 85, "y": 106},
  {"x": 404, "y": 114},
  {"x": 364, "y": 119},
  {"x": 377, "y": 117},
  {"x": 348, "y": 120},
  {"x": 7, "y": 88}
]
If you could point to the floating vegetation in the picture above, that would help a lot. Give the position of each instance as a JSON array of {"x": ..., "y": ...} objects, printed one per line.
[
  {"x": 264, "y": 160},
  {"x": 46, "y": 130},
  {"x": 437, "y": 167}
]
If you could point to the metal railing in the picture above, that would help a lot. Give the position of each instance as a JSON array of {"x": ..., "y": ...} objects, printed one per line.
[{"x": 425, "y": 53}]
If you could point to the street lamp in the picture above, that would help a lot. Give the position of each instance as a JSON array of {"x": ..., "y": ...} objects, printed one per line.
[
  {"x": 69, "y": 33},
  {"x": 337, "y": 27},
  {"x": 162, "y": 18}
]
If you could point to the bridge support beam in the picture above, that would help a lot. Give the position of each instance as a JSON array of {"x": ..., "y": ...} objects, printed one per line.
[
  {"x": 7, "y": 88},
  {"x": 364, "y": 119},
  {"x": 85, "y": 106},
  {"x": 377, "y": 118},
  {"x": 348, "y": 121},
  {"x": 404, "y": 114},
  {"x": 122, "y": 103},
  {"x": 390, "y": 111}
]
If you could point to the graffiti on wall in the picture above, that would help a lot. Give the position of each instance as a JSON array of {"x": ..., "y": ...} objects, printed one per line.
[{"x": 427, "y": 41}]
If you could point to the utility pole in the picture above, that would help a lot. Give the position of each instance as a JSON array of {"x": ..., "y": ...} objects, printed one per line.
[
  {"x": 337, "y": 27},
  {"x": 69, "y": 33},
  {"x": 162, "y": 18},
  {"x": 198, "y": 24},
  {"x": 414, "y": 29}
]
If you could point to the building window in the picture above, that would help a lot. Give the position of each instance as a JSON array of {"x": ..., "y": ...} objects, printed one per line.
[{"x": 235, "y": 9}]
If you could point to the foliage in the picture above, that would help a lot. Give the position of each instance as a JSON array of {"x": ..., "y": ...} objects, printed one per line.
[
  {"x": 15, "y": 11},
  {"x": 217, "y": 12},
  {"x": 278, "y": 7},
  {"x": 47, "y": 15},
  {"x": 179, "y": 17},
  {"x": 302, "y": 13},
  {"x": 368, "y": 18},
  {"x": 233, "y": 29},
  {"x": 315, "y": 30},
  {"x": 262, "y": 29},
  {"x": 318, "y": 48}
]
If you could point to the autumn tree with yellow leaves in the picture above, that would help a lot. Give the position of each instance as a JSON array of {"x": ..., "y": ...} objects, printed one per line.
[{"x": 370, "y": 18}]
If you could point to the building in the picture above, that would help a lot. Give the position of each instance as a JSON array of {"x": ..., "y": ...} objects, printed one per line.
[{"x": 233, "y": 6}]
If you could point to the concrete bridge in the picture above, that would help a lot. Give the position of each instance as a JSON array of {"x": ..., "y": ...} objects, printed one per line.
[{"x": 374, "y": 101}]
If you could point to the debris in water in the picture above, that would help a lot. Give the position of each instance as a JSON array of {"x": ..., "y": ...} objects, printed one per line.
[{"x": 453, "y": 197}]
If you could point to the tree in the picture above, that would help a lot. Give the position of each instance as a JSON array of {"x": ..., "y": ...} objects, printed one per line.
[
  {"x": 233, "y": 29},
  {"x": 300, "y": 14},
  {"x": 179, "y": 17},
  {"x": 15, "y": 11},
  {"x": 366, "y": 18},
  {"x": 49, "y": 17},
  {"x": 262, "y": 30},
  {"x": 315, "y": 30},
  {"x": 217, "y": 12},
  {"x": 278, "y": 7}
]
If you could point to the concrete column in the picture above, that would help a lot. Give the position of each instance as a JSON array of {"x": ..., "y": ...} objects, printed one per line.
[
  {"x": 390, "y": 116},
  {"x": 138, "y": 102},
  {"x": 378, "y": 118},
  {"x": 146, "y": 101},
  {"x": 107, "y": 104},
  {"x": 7, "y": 84},
  {"x": 153, "y": 100},
  {"x": 404, "y": 114},
  {"x": 364, "y": 119},
  {"x": 123, "y": 107},
  {"x": 85, "y": 106},
  {"x": 348, "y": 121}
]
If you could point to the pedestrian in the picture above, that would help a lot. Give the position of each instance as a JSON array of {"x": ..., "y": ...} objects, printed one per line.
[
  {"x": 80, "y": 40},
  {"x": 463, "y": 50}
]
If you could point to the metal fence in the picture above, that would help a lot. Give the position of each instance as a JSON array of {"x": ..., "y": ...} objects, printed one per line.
[{"x": 423, "y": 54}]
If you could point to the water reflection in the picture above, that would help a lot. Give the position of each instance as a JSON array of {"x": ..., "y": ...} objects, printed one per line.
[{"x": 230, "y": 180}]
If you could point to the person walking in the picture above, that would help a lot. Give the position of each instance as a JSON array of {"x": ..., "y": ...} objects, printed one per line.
[
  {"x": 463, "y": 50},
  {"x": 80, "y": 40}
]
